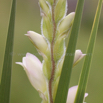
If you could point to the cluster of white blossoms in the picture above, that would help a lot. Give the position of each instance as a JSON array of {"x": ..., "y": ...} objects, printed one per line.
[{"x": 51, "y": 45}]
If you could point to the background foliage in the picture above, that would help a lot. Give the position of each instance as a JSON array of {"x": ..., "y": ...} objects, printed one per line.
[{"x": 28, "y": 18}]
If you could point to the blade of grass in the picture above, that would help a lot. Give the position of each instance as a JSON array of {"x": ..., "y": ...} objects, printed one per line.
[
  {"x": 86, "y": 67},
  {"x": 7, "y": 65},
  {"x": 62, "y": 90}
]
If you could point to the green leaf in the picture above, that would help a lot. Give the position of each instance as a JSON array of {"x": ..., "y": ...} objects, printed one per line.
[
  {"x": 7, "y": 65},
  {"x": 86, "y": 67},
  {"x": 62, "y": 90}
]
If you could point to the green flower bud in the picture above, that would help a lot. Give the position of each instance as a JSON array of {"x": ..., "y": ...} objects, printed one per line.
[
  {"x": 47, "y": 67},
  {"x": 58, "y": 68},
  {"x": 59, "y": 48},
  {"x": 60, "y": 10},
  {"x": 44, "y": 6},
  {"x": 47, "y": 28}
]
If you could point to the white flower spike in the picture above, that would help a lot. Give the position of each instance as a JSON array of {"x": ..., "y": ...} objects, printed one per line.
[
  {"x": 78, "y": 56},
  {"x": 51, "y": 45},
  {"x": 72, "y": 93},
  {"x": 33, "y": 69}
]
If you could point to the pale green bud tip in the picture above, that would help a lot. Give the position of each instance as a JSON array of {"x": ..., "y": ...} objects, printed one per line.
[
  {"x": 66, "y": 22},
  {"x": 72, "y": 93},
  {"x": 38, "y": 41},
  {"x": 33, "y": 69},
  {"x": 78, "y": 56}
]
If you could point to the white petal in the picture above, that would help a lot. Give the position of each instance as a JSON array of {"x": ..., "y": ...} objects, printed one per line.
[
  {"x": 72, "y": 93},
  {"x": 78, "y": 56},
  {"x": 33, "y": 68},
  {"x": 86, "y": 94}
]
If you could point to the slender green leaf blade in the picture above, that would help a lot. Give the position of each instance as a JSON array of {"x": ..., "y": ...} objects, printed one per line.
[
  {"x": 86, "y": 67},
  {"x": 62, "y": 90},
  {"x": 7, "y": 65}
]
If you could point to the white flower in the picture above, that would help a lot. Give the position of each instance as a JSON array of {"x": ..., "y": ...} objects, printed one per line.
[
  {"x": 72, "y": 93},
  {"x": 33, "y": 69},
  {"x": 78, "y": 56}
]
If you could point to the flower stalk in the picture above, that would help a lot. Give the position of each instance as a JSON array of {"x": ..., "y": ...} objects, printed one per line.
[{"x": 52, "y": 54}]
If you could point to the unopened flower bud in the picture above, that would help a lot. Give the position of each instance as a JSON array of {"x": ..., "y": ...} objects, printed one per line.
[
  {"x": 44, "y": 6},
  {"x": 38, "y": 41},
  {"x": 60, "y": 10},
  {"x": 66, "y": 23},
  {"x": 78, "y": 56}
]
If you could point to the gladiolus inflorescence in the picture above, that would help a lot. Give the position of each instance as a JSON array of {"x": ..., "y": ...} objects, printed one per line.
[{"x": 51, "y": 44}]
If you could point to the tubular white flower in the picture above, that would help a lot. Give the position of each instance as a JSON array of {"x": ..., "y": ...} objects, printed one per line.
[
  {"x": 78, "y": 56},
  {"x": 72, "y": 93},
  {"x": 38, "y": 41},
  {"x": 33, "y": 69}
]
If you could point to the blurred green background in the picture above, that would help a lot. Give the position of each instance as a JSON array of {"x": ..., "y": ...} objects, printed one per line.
[{"x": 28, "y": 18}]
